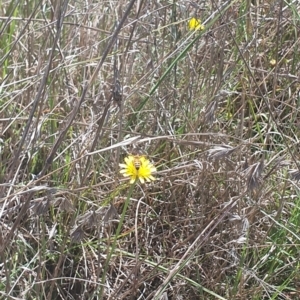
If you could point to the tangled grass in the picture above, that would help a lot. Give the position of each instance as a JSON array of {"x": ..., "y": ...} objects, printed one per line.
[{"x": 84, "y": 84}]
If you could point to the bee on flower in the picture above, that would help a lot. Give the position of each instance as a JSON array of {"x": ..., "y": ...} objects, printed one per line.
[
  {"x": 137, "y": 167},
  {"x": 195, "y": 24}
]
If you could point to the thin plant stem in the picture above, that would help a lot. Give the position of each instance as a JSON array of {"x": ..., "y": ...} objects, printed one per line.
[{"x": 115, "y": 238}]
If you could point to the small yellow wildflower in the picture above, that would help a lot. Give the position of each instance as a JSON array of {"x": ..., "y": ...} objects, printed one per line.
[
  {"x": 273, "y": 62},
  {"x": 137, "y": 167},
  {"x": 195, "y": 24}
]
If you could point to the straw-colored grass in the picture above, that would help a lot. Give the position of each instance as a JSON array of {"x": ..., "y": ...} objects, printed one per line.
[{"x": 83, "y": 84}]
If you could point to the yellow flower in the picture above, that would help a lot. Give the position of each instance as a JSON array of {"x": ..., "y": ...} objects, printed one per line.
[
  {"x": 137, "y": 167},
  {"x": 195, "y": 24},
  {"x": 273, "y": 62}
]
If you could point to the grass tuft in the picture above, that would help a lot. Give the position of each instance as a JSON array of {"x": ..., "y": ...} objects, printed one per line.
[{"x": 214, "y": 108}]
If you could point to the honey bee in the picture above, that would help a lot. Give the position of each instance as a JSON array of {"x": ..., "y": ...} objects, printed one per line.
[{"x": 137, "y": 161}]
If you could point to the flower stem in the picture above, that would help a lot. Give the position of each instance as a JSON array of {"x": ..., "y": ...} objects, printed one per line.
[{"x": 113, "y": 246}]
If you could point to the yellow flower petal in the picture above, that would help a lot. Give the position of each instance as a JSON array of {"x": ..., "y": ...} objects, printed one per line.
[
  {"x": 137, "y": 167},
  {"x": 195, "y": 24}
]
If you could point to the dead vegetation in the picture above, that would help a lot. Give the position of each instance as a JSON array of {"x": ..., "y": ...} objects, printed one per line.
[{"x": 85, "y": 83}]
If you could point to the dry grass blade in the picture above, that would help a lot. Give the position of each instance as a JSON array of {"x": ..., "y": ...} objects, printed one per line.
[
  {"x": 66, "y": 205},
  {"x": 77, "y": 235},
  {"x": 164, "y": 296},
  {"x": 83, "y": 82},
  {"x": 253, "y": 174},
  {"x": 295, "y": 174},
  {"x": 111, "y": 214},
  {"x": 209, "y": 113},
  {"x": 117, "y": 89},
  {"x": 92, "y": 219},
  {"x": 218, "y": 152},
  {"x": 41, "y": 207}
]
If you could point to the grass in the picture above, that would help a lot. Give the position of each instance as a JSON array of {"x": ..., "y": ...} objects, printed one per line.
[{"x": 216, "y": 111}]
